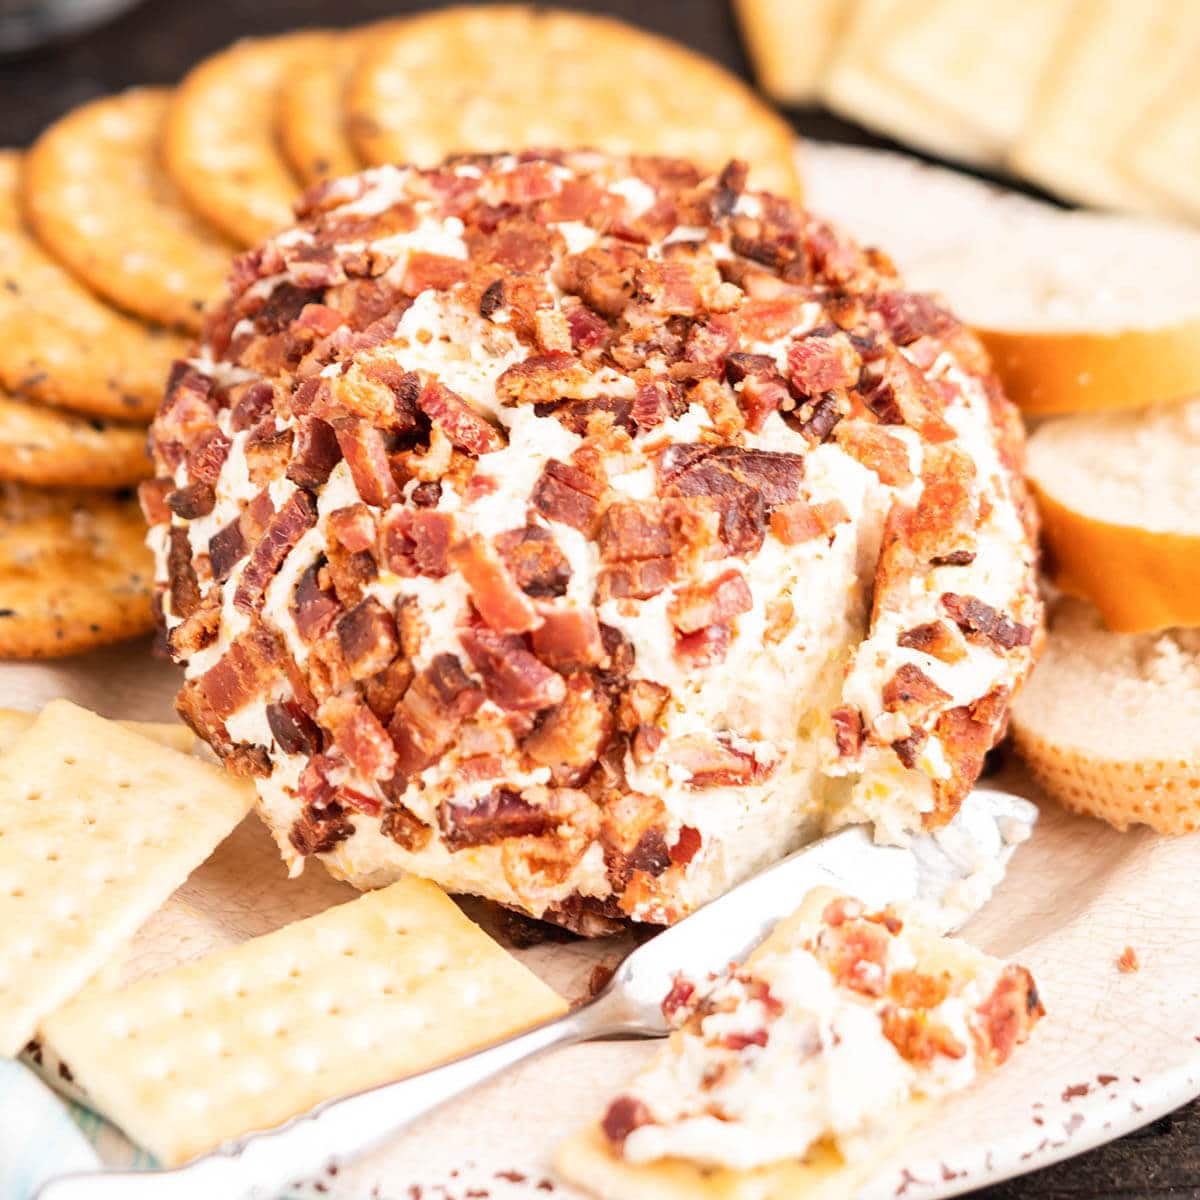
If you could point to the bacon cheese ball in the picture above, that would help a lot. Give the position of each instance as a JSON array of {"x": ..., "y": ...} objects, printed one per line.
[{"x": 583, "y": 533}]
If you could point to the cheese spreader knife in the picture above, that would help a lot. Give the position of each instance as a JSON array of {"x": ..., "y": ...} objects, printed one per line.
[{"x": 952, "y": 871}]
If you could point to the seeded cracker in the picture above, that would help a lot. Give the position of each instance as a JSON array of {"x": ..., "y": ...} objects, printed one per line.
[
  {"x": 74, "y": 572},
  {"x": 50, "y": 448},
  {"x": 99, "y": 826},
  {"x": 510, "y": 77},
  {"x": 219, "y": 140},
  {"x": 99, "y": 200},
  {"x": 311, "y": 122},
  {"x": 61, "y": 345},
  {"x": 362, "y": 994}
]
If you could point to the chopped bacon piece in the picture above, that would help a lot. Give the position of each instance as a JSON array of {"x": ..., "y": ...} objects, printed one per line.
[
  {"x": 294, "y": 731},
  {"x": 417, "y": 541},
  {"x": 965, "y": 740},
  {"x": 500, "y": 814},
  {"x": 459, "y": 421},
  {"x": 917, "y": 1039},
  {"x": 207, "y": 456},
  {"x": 403, "y": 826},
  {"x": 314, "y": 606},
  {"x": 898, "y": 393},
  {"x": 354, "y": 527},
  {"x": 822, "y": 362},
  {"x": 363, "y": 446},
  {"x": 908, "y": 316},
  {"x": 715, "y": 602},
  {"x": 315, "y": 452},
  {"x": 911, "y": 692},
  {"x": 268, "y": 451},
  {"x": 250, "y": 664},
  {"x": 880, "y": 452},
  {"x": 798, "y": 521},
  {"x": 512, "y": 677},
  {"x": 358, "y": 735},
  {"x": 706, "y": 647},
  {"x": 637, "y": 580},
  {"x": 152, "y": 496},
  {"x": 847, "y": 730},
  {"x": 568, "y": 637},
  {"x": 686, "y": 846},
  {"x": 934, "y": 638},
  {"x": 198, "y": 629},
  {"x": 678, "y": 999},
  {"x": 1010, "y": 1012},
  {"x": 589, "y": 330},
  {"x": 641, "y": 704},
  {"x": 760, "y": 388},
  {"x": 384, "y": 690},
  {"x": 255, "y": 516},
  {"x": 908, "y": 749},
  {"x": 631, "y": 529},
  {"x": 181, "y": 573},
  {"x": 565, "y": 493},
  {"x": 494, "y": 591},
  {"x": 368, "y": 637},
  {"x": 913, "y": 989},
  {"x": 536, "y": 561},
  {"x": 714, "y": 761},
  {"x": 194, "y": 500},
  {"x": 437, "y": 271},
  {"x": 255, "y": 403},
  {"x": 573, "y": 733},
  {"x": 624, "y": 1115},
  {"x": 983, "y": 624},
  {"x": 656, "y": 401},
  {"x": 855, "y": 950},
  {"x": 283, "y": 531}
]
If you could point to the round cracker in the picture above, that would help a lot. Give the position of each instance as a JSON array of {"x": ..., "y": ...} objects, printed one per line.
[
  {"x": 219, "y": 141},
  {"x": 49, "y": 448},
  {"x": 509, "y": 77},
  {"x": 310, "y": 118},
  {"x": 59, "y": 343},
  {"x": 100, "y": 202},
  {"x": 74, "y": 572}
]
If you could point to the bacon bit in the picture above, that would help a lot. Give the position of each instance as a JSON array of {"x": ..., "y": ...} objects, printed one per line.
[
  {"x": 589, "y": 330},
  {"x": 543, "y": 378},
  {"x": 634, "y": 580},
  {"x": 913, "y": 989},
  {"x": 207, "y": 456},
  {"x": 281, "y": 534},
  {"x": 908, "y": 316},
  {"x": 294, "y": 731},
  {"x": 403, "y": 826},
  {"x": 198, "y": 629},
  {"x": 817, "y": 419},
  {"x": 501, "y": 814},
  {"x": 152, "y": 497},
  {"x": 436, "y": 271},
  {"x": 880, "y": 452},
  {"x": 441, "y": 696},
  {"x": 907, "y": 749},
  {"x": 838, "y": 912},
  {"x": 368, "y": 638},
  {"x": 1009, "y": 1013},
  {"x": 181, "y": 573},
  {"x": 315, "y": 452},
  {"x": 706, "y": 647},
  {"x": 767, "y": 318},
  {"x": 566, "y": 494},
  {"x": 686, "y": 846},
  {"x": 194, "y": 500},
  {"x": 911, "y": 692},
  {"x": 758, "y": 396},
  {"x": 982, "y": 623},
  {"x": 855, "y": 951},
  {"x": 897, "y": 393},
  {"x": 354, "y": 527},
  {"x": 552, "y": 331},
  {"x": 641, "y": 704},
  {"x": 714, "y": 762},
  {"x": 822, "y": 362},
  {"x": 716, "y": 602},
  {"x": 739, "y": 1041},
  {"x": 916, "y": 1039},
  {"x": 256, "y": 402},
  {"x": 358, "y": 734},
  {"x": 624, "y": 1115},
  {"x": 512, "y": 677},
  {"x": 384, "y": 690},
  {"x": 936, "y": 639},
  {"x": 796, "y": 522},
  {"x": 247, "y": 668},
  {"x": 268, "y": 452},
  {"x": 655, "y": 401},
  {"x": 459, "y": 421},
  {"x": 965, "y": 741},
  {"x": 536, "y": 561},
  {"x": 366, "y": 456},
  {"x": 568, "y": 637},
  {"x": 1128, "y": 962},
  {"x": 573, "y": 733},
  {"x": 631, "y": 529},
  {"x": 417, "y": 542},
  {"x": 494, "y": 591},
  {"x": 847, "y": 731},
  {"x": 678, "y": 999},
  {"x": 313, "y": 606}
]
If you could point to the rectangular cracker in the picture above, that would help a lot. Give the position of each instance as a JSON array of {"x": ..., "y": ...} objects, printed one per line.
[
  {"x": 16, "y": 721},
  {"x": 1119, "y": 61},
  {"x": 98, "y": 826},
  {"x": 367, "y": 992},
  {"x": 790, "y": 43}
]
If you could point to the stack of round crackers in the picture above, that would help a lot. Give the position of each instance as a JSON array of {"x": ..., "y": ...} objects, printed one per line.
[{"x": 120, "y": 224}]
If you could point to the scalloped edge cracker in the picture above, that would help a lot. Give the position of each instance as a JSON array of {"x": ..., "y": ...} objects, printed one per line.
[
  {"x": 790, "y": 43},
  {"x": 98, "y": 826},
  {"x": 384, "y": 986}
]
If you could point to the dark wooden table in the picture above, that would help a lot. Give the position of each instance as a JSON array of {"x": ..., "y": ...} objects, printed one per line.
[{"x": 157, "y": 41}]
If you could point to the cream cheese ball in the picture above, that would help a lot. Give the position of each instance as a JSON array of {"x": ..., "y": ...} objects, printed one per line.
[{"x": 584, "y": 533}]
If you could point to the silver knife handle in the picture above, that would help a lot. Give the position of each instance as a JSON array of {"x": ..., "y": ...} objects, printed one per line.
[{"x": 258, "y": 1166}]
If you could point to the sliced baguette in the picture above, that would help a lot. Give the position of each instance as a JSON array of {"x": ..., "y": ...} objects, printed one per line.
[
  {"x": 1118, "y": 61},
  {"x": 790, "y": 43},
  {"x": 1120, "y": 505},
  {"x": 1080, "y": 311},
  {"x": 1109, "y": 723}
]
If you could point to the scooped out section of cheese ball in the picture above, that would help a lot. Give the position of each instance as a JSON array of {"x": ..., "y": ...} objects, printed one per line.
[{"x": 583, "y": 533}]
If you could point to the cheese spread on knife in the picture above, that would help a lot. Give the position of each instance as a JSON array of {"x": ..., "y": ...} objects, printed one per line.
[{"x": 585, "y": 533}]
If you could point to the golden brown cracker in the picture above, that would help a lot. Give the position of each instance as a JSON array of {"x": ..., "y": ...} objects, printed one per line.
[
  {"x": 310, "y": 119},
  {"x": 47, "y": 447},
  {"x": 74, "y": 572},
  {"x": 219, "y": 141},
  {"x": 508, "y": 77},
  {"x": 59, "y": 343},
  {"x": 99, "y": 200}
]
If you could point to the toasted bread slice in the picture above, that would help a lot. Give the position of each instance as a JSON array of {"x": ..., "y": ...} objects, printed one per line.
[
  {"x": 1110, "y": 723},
  {"x": 1119, "y": 60},
  {"x": 1080, "y": 311},
  {"x": 791, "y": 44},
  {"x": 1120, "y": 514}
]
